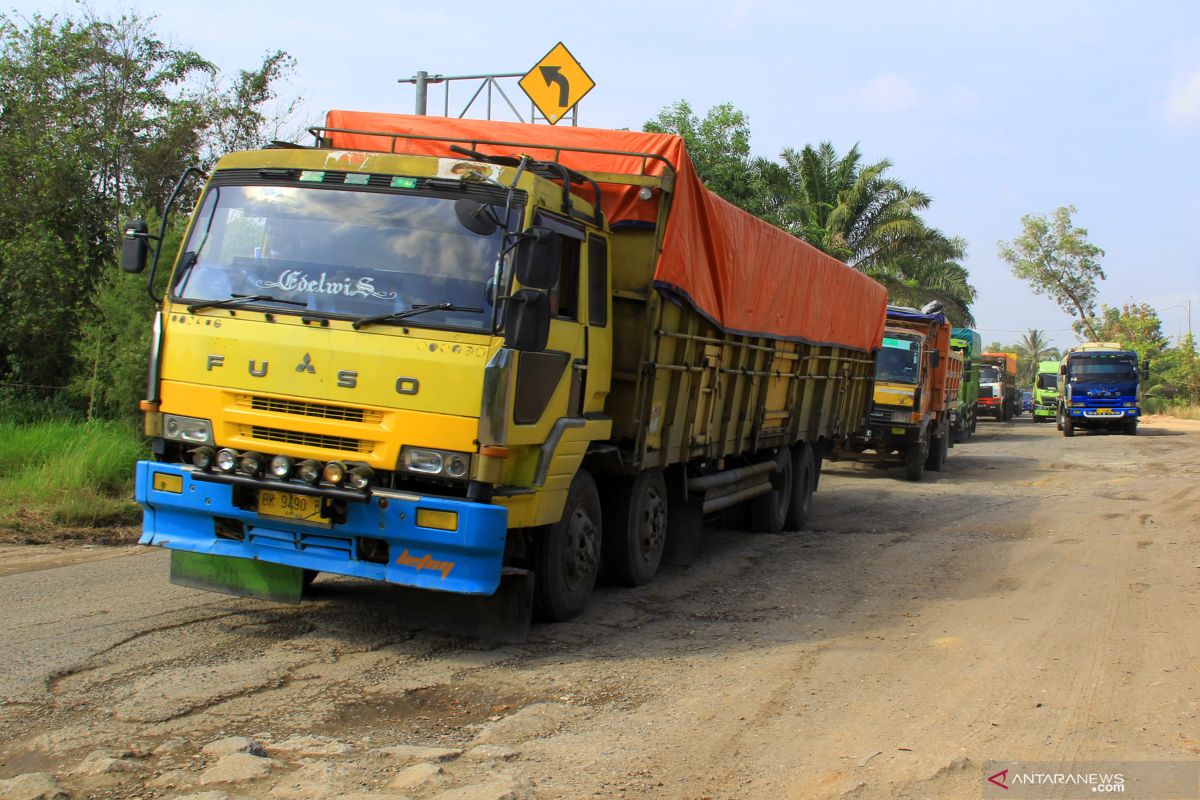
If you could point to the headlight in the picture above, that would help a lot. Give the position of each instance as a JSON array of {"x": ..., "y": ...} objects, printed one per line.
[
  {"x": 250, "y": 463},
  {"x": 360, "y": 477},
  {"x": 902, "y": 416},
  {"x": 334, "y": 472},
  {"x": 308, "y": 471},
  {"x": 226, "y": 459},
  {"x": 281, "y": 467},
  {"x": 444, "y": 463},
  {"x": 187, "y": 429},
  {"x": 202, "y": 457},
  {"x": 1130, "y": 405}
]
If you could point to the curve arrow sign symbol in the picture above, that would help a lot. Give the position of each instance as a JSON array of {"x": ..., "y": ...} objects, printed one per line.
[{"x": 552, "y": 75}]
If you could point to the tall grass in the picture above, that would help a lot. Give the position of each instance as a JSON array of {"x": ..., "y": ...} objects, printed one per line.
[{"x": 67, "y": 474}]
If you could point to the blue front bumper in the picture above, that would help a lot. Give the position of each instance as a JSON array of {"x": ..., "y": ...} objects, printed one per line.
[
  {"x": 1102, "y": 413},
  {"x": 467, "y": 560}
]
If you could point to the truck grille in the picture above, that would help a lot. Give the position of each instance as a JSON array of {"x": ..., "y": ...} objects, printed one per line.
[
  {"x": 985, "y": 391},
  {"x": 301, "y": 408},
  {"x": 306, "y": 439}
]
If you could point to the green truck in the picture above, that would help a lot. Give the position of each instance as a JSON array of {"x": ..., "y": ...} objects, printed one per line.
[
  {"x": 962, "y": 420},
  {"x": 1045, "y": 392}
]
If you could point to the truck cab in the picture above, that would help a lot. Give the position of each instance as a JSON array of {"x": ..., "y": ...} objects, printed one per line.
[
  {"x": 1045, "y": 392},
  {"x": 917, "y": 380},
  {"x": 1099, "y": 388}
]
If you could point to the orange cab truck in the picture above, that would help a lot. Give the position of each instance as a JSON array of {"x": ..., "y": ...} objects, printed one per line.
[
  {"x": 484, "y": 358},
  {"x": 917, "y": 381}
]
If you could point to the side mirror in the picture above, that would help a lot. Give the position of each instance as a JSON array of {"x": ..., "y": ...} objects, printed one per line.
[
  {"x": 1146, "y": 370},
  {"x": 476, "y": 217},
  {"x": 539, "y": 259},
  {"x": 527, "y": 321},
  {"x": 135, "y": 246},
  {"x": 935, "y": 358}
]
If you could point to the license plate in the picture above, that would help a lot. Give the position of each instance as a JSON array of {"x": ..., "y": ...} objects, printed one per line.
[
  {"x": 1103, "y": 411},
  {"x": 286, "y": 505}
]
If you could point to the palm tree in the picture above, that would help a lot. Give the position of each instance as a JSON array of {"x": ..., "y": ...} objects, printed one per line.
[
  {"x": 1033, "y": 349},
  {"x": 858, "y": 214}
]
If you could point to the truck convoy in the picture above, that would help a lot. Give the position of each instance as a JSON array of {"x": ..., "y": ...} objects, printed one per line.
[
  {"x": 491, "y": 358},
  {"x": 967, "y": 343},
  {"x": 917, "y": 379},
  {"x": 1045, "y": 392},
  {"x": 998, "y": 394},
  {"x": 1099, "y": 388}
]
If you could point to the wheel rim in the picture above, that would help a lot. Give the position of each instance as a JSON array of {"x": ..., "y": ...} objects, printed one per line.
[
  {"x": 652, "y": 522},
  {"x": 581, "y": 550}
]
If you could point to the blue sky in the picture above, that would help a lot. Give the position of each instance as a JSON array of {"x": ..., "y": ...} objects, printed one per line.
[{"x": 995, "y": 110}]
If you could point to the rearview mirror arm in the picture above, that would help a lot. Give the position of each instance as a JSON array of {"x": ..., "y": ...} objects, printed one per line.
[{"x": 162, "y": 227}]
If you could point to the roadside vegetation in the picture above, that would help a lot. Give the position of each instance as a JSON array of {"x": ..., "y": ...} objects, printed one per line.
[
  {"x": 100, "y": 116},
  {"x": 67, "y": 474}
]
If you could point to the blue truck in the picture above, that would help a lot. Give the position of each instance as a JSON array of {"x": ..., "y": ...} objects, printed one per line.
[{"x": 1100, "y": 387}]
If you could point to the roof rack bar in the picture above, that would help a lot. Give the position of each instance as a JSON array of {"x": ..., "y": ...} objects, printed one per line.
[{"x": 558, "y": 150}]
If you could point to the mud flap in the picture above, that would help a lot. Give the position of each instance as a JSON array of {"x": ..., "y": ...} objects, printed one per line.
[
  {"x": 243, "y": 577},
  {"x": 502, "y": 617}
]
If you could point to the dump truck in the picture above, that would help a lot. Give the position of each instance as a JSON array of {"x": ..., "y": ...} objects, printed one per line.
[
  {"x": 968, "y": 344},
  {"x": 1100, "y": 387},
  {"x": 917, "y": 381},
  {"x": 1045, "y": 392},
  {"x": 481, "y": 359},
  {"x": 999, "y": 397}
]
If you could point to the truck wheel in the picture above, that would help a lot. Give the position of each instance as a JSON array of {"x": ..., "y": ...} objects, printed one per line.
[
  {"x": 1058, "y": 419},
  {"x": 1131, "y": 427},
  {"x": 768, "y": 512},
  {"x": 914, "y": 460},
  {"x": 1068, "y": 427},
  {"x": 938, "y": 450},
  {"x": 566, "y": 554},
  {"x": 974, "y": 422},
  {"x": 804, "y": 483},
  {"x": 635, "y": 528}
]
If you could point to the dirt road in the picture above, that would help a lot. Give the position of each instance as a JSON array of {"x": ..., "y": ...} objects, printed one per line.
[{"x": 1037, "y": 600}]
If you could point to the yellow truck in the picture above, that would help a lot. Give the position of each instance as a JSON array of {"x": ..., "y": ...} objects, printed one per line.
[
  {"x": 918, "y": 376},
  {"x": 484, "y": 359}
]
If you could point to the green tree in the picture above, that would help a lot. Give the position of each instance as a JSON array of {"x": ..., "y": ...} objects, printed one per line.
[
  {"x": 1033, "y": 349},
  {"x": 1056, "y": 258},
  {"x": 719, "y": 146},
  {"x": 98, "y": 117}
]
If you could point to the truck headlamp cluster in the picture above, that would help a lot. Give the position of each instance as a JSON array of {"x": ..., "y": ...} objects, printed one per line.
[
  {"x": 191, "y": 430},
  {"x": 359, "y": 477},
  {"x": 440, "y": 463}
]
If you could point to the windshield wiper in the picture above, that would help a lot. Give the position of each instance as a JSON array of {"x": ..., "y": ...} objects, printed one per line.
[
  {"x": 240, "y": 300},
  {"x": 412, "y": 312}
]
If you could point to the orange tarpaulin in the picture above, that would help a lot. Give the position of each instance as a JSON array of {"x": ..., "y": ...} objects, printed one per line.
[{"x": 739, "y": 271}]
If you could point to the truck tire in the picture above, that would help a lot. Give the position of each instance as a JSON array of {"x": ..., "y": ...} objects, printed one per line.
[
  {"x": 974, "y": 422},
  {"x": 938, "y": 450},
  {"x": 768, "y": 512},
  {"x": 914, "y": 460},
  {"x": 566, "y": 554},
  {"x": 1131, "y": 427},
  {"x": 804, "y": 483},
  {"x": 1058, "y": 419},
  {"x": 1068, "y": 427},
  {"x": 635, "y": 528}
]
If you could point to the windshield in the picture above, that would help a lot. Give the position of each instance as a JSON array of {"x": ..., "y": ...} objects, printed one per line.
[
  {"x": 1048, "y": 380},
  {"x": 340, "y": 252},
  {"x": 898, "y": 361},
  {"x": 989, "y": 374},
  {"x": 1110, "y": 367}
]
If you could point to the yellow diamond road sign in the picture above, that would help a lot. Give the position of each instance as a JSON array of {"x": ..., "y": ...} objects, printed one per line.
[{"x": 556, "y": 83}]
